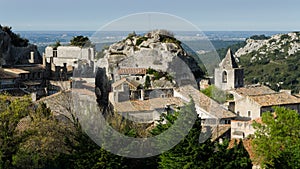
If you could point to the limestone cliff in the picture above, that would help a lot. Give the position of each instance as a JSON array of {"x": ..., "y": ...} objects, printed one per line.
[
  {"x": 158, "y": 49},
  {"x": 11, "y": 54},
  {"x": 272, "y": 61},
  {"x": 280, "y": 44}
]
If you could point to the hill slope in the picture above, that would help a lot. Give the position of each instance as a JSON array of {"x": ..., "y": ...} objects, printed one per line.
[{"x": 273, "y": 61}]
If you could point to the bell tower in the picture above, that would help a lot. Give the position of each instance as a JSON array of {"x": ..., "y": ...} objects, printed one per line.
[{"x": 228, "y": 75}]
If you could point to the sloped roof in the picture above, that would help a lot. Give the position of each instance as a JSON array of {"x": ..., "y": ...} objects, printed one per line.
[
  {"x": 254, "y": 90},
  {"x": 16, "y": 71},
  {"x": 32, "y": 67},
  {"x": 206, "y": 103},
  {"x": 132, "y": 71},
  {"x": 275, "y": 99},
  {"x": 218, "y": 131},
  {"x": 229, "y": 61},
  {"x": 7, "y": 75},
  {"x": 146, "y": 105},
  {"x": 133, "y": 83}
]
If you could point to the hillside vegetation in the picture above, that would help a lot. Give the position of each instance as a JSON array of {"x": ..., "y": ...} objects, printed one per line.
[{"x": 272, "y": 61}]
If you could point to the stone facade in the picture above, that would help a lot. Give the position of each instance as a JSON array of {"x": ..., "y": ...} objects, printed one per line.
[
  {"x": 69, "y": 55},
  {"x": 228, "y": 75}
]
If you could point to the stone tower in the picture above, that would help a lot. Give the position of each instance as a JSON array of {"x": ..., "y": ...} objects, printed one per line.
[{"x": 228, "y": 75}]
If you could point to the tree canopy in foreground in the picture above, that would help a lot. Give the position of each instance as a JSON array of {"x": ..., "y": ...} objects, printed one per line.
[{"x": 277, "y": 139}]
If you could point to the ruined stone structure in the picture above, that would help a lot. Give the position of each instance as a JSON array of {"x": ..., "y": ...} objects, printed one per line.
[
  {"x": 228, "y": 75},
  {"x": 62, "y": 61}
]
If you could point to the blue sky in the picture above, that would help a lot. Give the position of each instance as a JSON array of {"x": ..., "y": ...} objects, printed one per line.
[{"x": 227, "y": 15}]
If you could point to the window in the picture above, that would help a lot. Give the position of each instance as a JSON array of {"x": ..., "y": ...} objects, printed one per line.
[
  {"x": 249, "y": 113},
  {"x": 224, "y": 77},
  {"x": 54, "y": 53},
  {"x": 238, "y": 113},
  {"x": 227, "y": 121}
]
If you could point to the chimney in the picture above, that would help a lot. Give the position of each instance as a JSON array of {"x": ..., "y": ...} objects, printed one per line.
[
  {"x": 51, "y": 60},
  {"x": 142, "y": 94},
  {"x": 31, "y": 57},
  {"x": 44, "y": 60}
]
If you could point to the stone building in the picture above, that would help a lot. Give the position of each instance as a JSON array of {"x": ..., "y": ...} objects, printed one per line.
[
  {"x": 69, "y": 55},
  {"x": 228, "y": 75},
  {"x": 63, "y": 60},
  {"x": 252, "y": 101}
]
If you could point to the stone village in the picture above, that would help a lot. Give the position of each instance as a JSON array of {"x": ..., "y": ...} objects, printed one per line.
[{"x": 144, "y": 93}]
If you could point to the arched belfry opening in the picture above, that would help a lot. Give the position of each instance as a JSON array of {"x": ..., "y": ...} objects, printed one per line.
[{"x": 224, "y": 77}]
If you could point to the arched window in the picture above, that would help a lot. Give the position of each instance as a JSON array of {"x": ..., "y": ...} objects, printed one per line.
[{"x": 224, "y": 77}]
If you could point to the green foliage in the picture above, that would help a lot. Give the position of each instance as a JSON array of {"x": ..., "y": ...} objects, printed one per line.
[
  {"x": 81, "y": 41},
  {"x": 284, "y": 36},
  {"x": 189, "y": 153},
  {"x": 159, "y": 74},
  {"x": 57, "y": 44},
  {"x": 259, "y": 37},
  {"x": 169, "y": 39},
  {"x": 274, "y": 68},
  {"x": 11, "y": 112},
  {"x": 100, "y": 54},
  {"x": 16, "y": 39},
  {"x": 218, "y": 95},
  {"x": 147, "y": 82},
  {"x": 131, "y": 35},
  {"x": 277, "y": 139},
  {"x": 140, "y": 40}
]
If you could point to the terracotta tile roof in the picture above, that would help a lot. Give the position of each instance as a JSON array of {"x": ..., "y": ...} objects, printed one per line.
[
  {"x": 248, "y": 146},
  {"x": 219, "y": 131},
  {"x": 146, "y": 105},
  {"x": 254, "y": 90},
  {"x": 7, "y": 75},
  {"x": 132, "y": 71},
  {"x": 275, "y": 99},
  {"x": 133, "y": 83},
  {"x": 204, "y": 102}
]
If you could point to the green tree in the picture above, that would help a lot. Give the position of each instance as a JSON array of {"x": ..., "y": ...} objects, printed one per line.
[
  {"x": 189, "y": 153},
  {"x": 57, "y": 44},
  {"x": 147, "y": 82},
  {"x": 11, "y": 112},
  {"x": 16, "y": 39},
  {"x": 277, "y": 139},
  {"x": 46, "y": 140},
  {"x": 81, "y": 41}
]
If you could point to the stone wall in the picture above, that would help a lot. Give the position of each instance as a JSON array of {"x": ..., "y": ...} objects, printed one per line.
[
  {"x": 243, "y": 106},
  {"x": 241, "y": 129},
  {"x": 235, "y": 78}
]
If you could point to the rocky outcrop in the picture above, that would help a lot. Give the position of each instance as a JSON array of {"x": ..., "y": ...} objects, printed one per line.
[
  {"x": 156, "y": 49},
  {"x": 286, "y": 44},
  {"x": 11, "y": 55}
]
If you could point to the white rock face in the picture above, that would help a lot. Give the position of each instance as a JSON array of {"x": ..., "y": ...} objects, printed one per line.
[
  {"x": 148, "y": 51},
  {"x": 287, "y": 43}
]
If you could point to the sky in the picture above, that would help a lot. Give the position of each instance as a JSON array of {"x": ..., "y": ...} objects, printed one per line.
[{"x": 207, "y": 15}]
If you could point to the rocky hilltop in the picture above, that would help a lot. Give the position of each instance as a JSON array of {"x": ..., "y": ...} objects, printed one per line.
[
  {"x": 273, "y": 61},
  {"x": 15, "y": 50},
  {"x": 280, "y": 44},
  {"x": 157, "y": 50}
]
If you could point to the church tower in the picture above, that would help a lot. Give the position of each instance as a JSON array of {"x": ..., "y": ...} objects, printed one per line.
[{"x": 228, "y": 75}]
